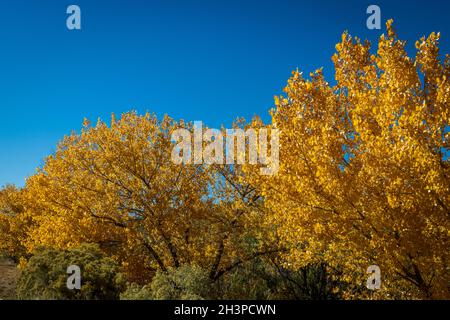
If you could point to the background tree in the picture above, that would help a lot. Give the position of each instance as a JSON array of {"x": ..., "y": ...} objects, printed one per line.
[{"x": 14, "y": 224}]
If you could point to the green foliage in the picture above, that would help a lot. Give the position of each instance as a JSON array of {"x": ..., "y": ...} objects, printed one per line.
[
  {"x": 313, "y": 282},
  {"x": 257, "y": 280},
  {"x": 45, "y": 277},
  {"x": 136, "y": 292},
  {"x": 188, "y": 282},
  {"x": 264, "y": 279}
]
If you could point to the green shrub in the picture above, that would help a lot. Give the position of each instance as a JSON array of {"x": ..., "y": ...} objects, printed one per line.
[
  {"x": 136, "y": 292},
  {"x": 256, "y": 280},
  {"x": 188, "y": 282},
  {"x": 45, "y": 275},
  {"x": 263, "y": 279}
]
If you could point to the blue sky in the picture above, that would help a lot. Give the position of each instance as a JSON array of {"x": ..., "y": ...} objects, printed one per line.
[{"x": 197, "y": 60}]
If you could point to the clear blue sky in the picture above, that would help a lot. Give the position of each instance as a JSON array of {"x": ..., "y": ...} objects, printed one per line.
[{"x": 197, "y": 60}]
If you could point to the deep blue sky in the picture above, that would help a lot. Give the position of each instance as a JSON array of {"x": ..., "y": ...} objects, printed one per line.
[{"x": 197, "y": 60}]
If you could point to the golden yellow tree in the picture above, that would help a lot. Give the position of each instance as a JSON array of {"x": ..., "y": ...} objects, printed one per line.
[
  {"x": 14, "y": 224},
  {"x": 364, "y": 178},
  {"x": 117, "y": 185}
]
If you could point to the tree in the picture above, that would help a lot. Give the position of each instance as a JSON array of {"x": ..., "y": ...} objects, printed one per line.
[
  {"x": 14, "y": 224},
  {"x": 118, "y": 186},
  {"x": 364, "y": 175}
]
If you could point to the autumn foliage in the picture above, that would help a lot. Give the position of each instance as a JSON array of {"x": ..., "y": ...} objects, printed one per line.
[
  {"x": 363, "y": 177},
  {"x": 363, "y": 180}
]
